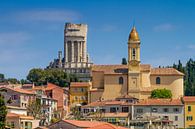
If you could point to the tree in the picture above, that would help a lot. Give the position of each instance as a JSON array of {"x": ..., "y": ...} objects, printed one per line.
[
  {"x": 55, "y": 76},
  {"x": 161, "y": 93},
  {"x": 2, "y": 77},
  {"x": 124, "y": 61},
  {"x": 13, "y": 81},
  {"x": 34, "y": 108},
  {"x": 3, "y": 112}
]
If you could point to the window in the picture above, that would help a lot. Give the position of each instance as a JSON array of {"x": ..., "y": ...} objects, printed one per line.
[
  {"x": 189, "y": 118},
  {"x": 112, "y": 109},
  {"x": 86, "y": 110},
  {"x": 120, "y": 80},
  {"x": 158, "y": 80},
  {"x": 103, "y": 110},
  {"x": 176, "y": 118},
  {"x": 189, "y": 109},
  {"x": 125, "y": 109},
  {"x": 133, "y": 53},
  {"x": 165, "y": 117},
  {"x": 12, "y": 125},
  {"x": 139, "y": 110},
  {"x": 166, "y": 110},
  {"x": 154, "y": 110},
  {"x": 175, "y": 109},
  {"x": 14, "y": 97},
  {"x": 82, "y": 90}
]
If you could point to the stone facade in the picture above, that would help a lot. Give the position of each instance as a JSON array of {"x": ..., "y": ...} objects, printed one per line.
[{"x": 76, "y": 59}]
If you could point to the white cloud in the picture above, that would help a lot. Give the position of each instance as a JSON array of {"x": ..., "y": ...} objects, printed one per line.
[
  {"x": 164, "y": 27},
  {"x": 47, "y": 15}
]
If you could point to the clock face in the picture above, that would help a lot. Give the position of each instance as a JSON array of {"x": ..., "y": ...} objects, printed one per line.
[{"x": 134, "y": 62}]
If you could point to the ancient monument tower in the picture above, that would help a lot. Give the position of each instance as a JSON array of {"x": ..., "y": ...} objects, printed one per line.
[{"x": 76, "y": 59}]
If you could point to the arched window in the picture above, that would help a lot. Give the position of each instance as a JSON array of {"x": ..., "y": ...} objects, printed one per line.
[
  {"x": 158, "y": 80},
  {"x": 120, "y": 80},
  {"x": 133, "y": 53}
]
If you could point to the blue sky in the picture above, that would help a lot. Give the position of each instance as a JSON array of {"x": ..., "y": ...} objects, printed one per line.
[{"x": 31, "y": 31}]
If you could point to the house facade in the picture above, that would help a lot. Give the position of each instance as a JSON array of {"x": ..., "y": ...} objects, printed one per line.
[
  {"x": 79, "y": 93},
  {"x": 189, "y": 103}
]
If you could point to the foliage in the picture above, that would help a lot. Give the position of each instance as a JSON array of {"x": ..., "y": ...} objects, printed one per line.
[
  {"x": 3, "y": 112},
  {"x": 189, "y": 78},
  {"x": 161, "y": 93},
  {"x": 8, "y": 80},
  {"x": 56, "y": 76},
  {"x": 2, "y": 77},
  {"x": 124, "y": 61},
  {"x": 54, "y": 120},
  {"x": 34, "y": 108},
  {"x": 76, "y": 112},
  {"x": 12, "y": 81}
]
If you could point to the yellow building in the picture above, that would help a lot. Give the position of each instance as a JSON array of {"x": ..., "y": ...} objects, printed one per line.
[
  {"x": 79, "y": 93},
  {"x": 189, "y": 102},
  {"x": 135, "y": 79}
]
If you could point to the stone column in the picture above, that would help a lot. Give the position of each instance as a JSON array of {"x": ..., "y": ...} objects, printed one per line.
[
  {"x": 83, "y": 58},
  {"x": 72, "y": 52},
  {"x": 66, "y": 52},
  {"x": 84, "y": 51},
  {"x": 80, "y": 53}
]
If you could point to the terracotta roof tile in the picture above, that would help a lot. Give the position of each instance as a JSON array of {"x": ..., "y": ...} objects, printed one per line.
[
  {"x": 19, "y": 90},
  {"x": 49, "y": 86},
  {"x": 165, "y": 71},
  {"x": 11, "y": 115},
  {"x": 159, "y": 102},
  {"x": 80, "y": 84},
  {"x": 189, "y": 98},
  {"x": 83, "y": 124},
  {"x": 106, "y": 126},
  {"x": 116, "y": 69}
]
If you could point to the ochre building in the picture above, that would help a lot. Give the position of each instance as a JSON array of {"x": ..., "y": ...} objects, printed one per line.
[{"x": 135, "y": 79}]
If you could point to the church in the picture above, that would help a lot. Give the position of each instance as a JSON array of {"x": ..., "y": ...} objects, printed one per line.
[{"x": 134, "y": 79}]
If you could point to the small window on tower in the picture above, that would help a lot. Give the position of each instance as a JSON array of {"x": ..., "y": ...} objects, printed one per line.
[
  {"x": 120, "y": 80},
  {"x": 133, "y": 53},
  {"x": 158, "y": 80}
]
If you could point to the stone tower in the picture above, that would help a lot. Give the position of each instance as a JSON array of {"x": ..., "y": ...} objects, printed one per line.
[
  {"x": 134, "y": 63},
  {"x": 76, "y": 59}
]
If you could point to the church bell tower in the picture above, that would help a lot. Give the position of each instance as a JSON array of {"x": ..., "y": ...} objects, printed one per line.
[
  {"x": 134, "y": 50},
  {"x": 134, "y": 82}
]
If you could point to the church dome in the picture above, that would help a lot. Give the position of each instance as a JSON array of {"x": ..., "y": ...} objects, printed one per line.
[{"x": 133, "y": 36}]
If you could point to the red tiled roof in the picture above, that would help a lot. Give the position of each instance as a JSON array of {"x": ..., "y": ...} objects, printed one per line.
[
  {"x": 19, "y": 90},
  {"x": 11, "y": 115},
  {"x": 83, "y": 124},
  {"x": 165, "y": 71},
  {"x": 116, "y": 69},
  {"x": 106, "y": 126},
  {"x": 49, "y": 86},
  {"x": 80, "y": 84},
  {"x": 189, "y": 98},
  {"x": 123, "y": 69},
  {"x": 161, "y": 102}
]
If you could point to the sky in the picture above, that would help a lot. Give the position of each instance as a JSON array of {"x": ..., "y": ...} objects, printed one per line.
[{"x": 31, "y": 31}]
